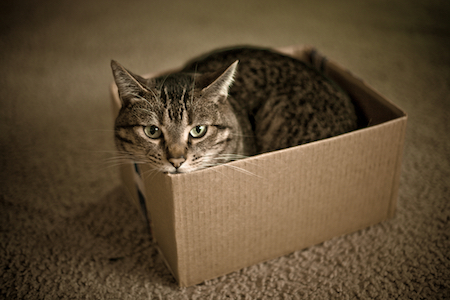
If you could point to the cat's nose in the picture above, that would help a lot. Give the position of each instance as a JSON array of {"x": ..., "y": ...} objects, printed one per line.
[{"x": 177, "y": 162}]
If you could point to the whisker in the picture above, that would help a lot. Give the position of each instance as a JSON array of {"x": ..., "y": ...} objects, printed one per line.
[
  {"x": 231, "y": 157},
  {"x": 117, "y": 160},
  {"x": 242, "y": 170},
  {"x": 150, "y": 173},
  {"x": 112, "y": 166},
  {"x": 215, "y": 170},
  {"x": 112, "y": 163},
  {"x": 102, "y": 151}
]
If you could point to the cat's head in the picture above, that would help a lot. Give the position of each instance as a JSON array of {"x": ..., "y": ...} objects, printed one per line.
[{"x": 176, "y": 123}]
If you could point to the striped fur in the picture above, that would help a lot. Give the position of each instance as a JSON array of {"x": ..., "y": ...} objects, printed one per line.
[{"x": 249, "y": 100}]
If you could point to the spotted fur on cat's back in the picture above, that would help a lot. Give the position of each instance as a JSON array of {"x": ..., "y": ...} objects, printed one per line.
[
  {"x": 288, "y": 102},
  {"x": 225, "y": 106}
]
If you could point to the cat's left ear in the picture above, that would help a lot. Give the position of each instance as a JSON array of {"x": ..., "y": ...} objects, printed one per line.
[
  {"x": 129, "y": 85},
  {"x": 221, "y": 85}
]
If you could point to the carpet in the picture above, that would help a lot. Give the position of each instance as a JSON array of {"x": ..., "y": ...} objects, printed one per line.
[{"x": 68, "y": 230}]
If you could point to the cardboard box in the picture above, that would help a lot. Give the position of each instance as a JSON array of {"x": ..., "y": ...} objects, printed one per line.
[{"x": 218, "y": 220}]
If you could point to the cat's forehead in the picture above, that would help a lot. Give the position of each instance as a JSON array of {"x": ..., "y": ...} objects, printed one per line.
[
  {"x": 176, "y": 100},
  {"x": 175, "y": 83},
  {"x": 174, "y": 94}
]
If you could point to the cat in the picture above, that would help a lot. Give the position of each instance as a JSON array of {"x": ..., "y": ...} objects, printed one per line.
[{"x": 227, "y": 105}]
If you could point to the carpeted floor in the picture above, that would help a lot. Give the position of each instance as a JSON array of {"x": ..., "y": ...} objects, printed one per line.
[{"x": 67, "y": 228}]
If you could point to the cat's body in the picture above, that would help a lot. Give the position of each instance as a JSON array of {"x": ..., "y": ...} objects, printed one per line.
[{"x": 217, "y": 109}]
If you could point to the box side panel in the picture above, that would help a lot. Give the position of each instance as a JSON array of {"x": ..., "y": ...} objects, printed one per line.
[
  {"x": 273, "y": 204},
  {"x": 160, "y": 205}
]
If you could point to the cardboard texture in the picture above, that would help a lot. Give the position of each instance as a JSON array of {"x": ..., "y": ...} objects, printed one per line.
[{"x": 218, "y": 220}]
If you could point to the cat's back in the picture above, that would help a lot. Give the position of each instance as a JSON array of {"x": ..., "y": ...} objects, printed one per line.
[
  {"x": 289, "y": 103},
  {"x": 260, "y": 71}
]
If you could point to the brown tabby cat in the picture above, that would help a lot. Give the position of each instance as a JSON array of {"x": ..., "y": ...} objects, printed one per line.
[{"x": 225, "y": 106}]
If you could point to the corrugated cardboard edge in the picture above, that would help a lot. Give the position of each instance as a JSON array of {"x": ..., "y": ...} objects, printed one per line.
[{"x": 398, "y": 167}]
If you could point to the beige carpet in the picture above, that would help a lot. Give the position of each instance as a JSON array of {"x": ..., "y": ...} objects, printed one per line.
[{"x": 67, "y": 228}]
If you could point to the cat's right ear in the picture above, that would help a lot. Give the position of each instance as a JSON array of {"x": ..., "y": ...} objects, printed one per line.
[
  {"x": 221, "y": 85},
  {"x": 129, "y": 85}
]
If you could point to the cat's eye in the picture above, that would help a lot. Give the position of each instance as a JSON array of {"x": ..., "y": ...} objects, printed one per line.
[
  {"x": 152, "y": 132},
  {"x": 198, "y": 131}
]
